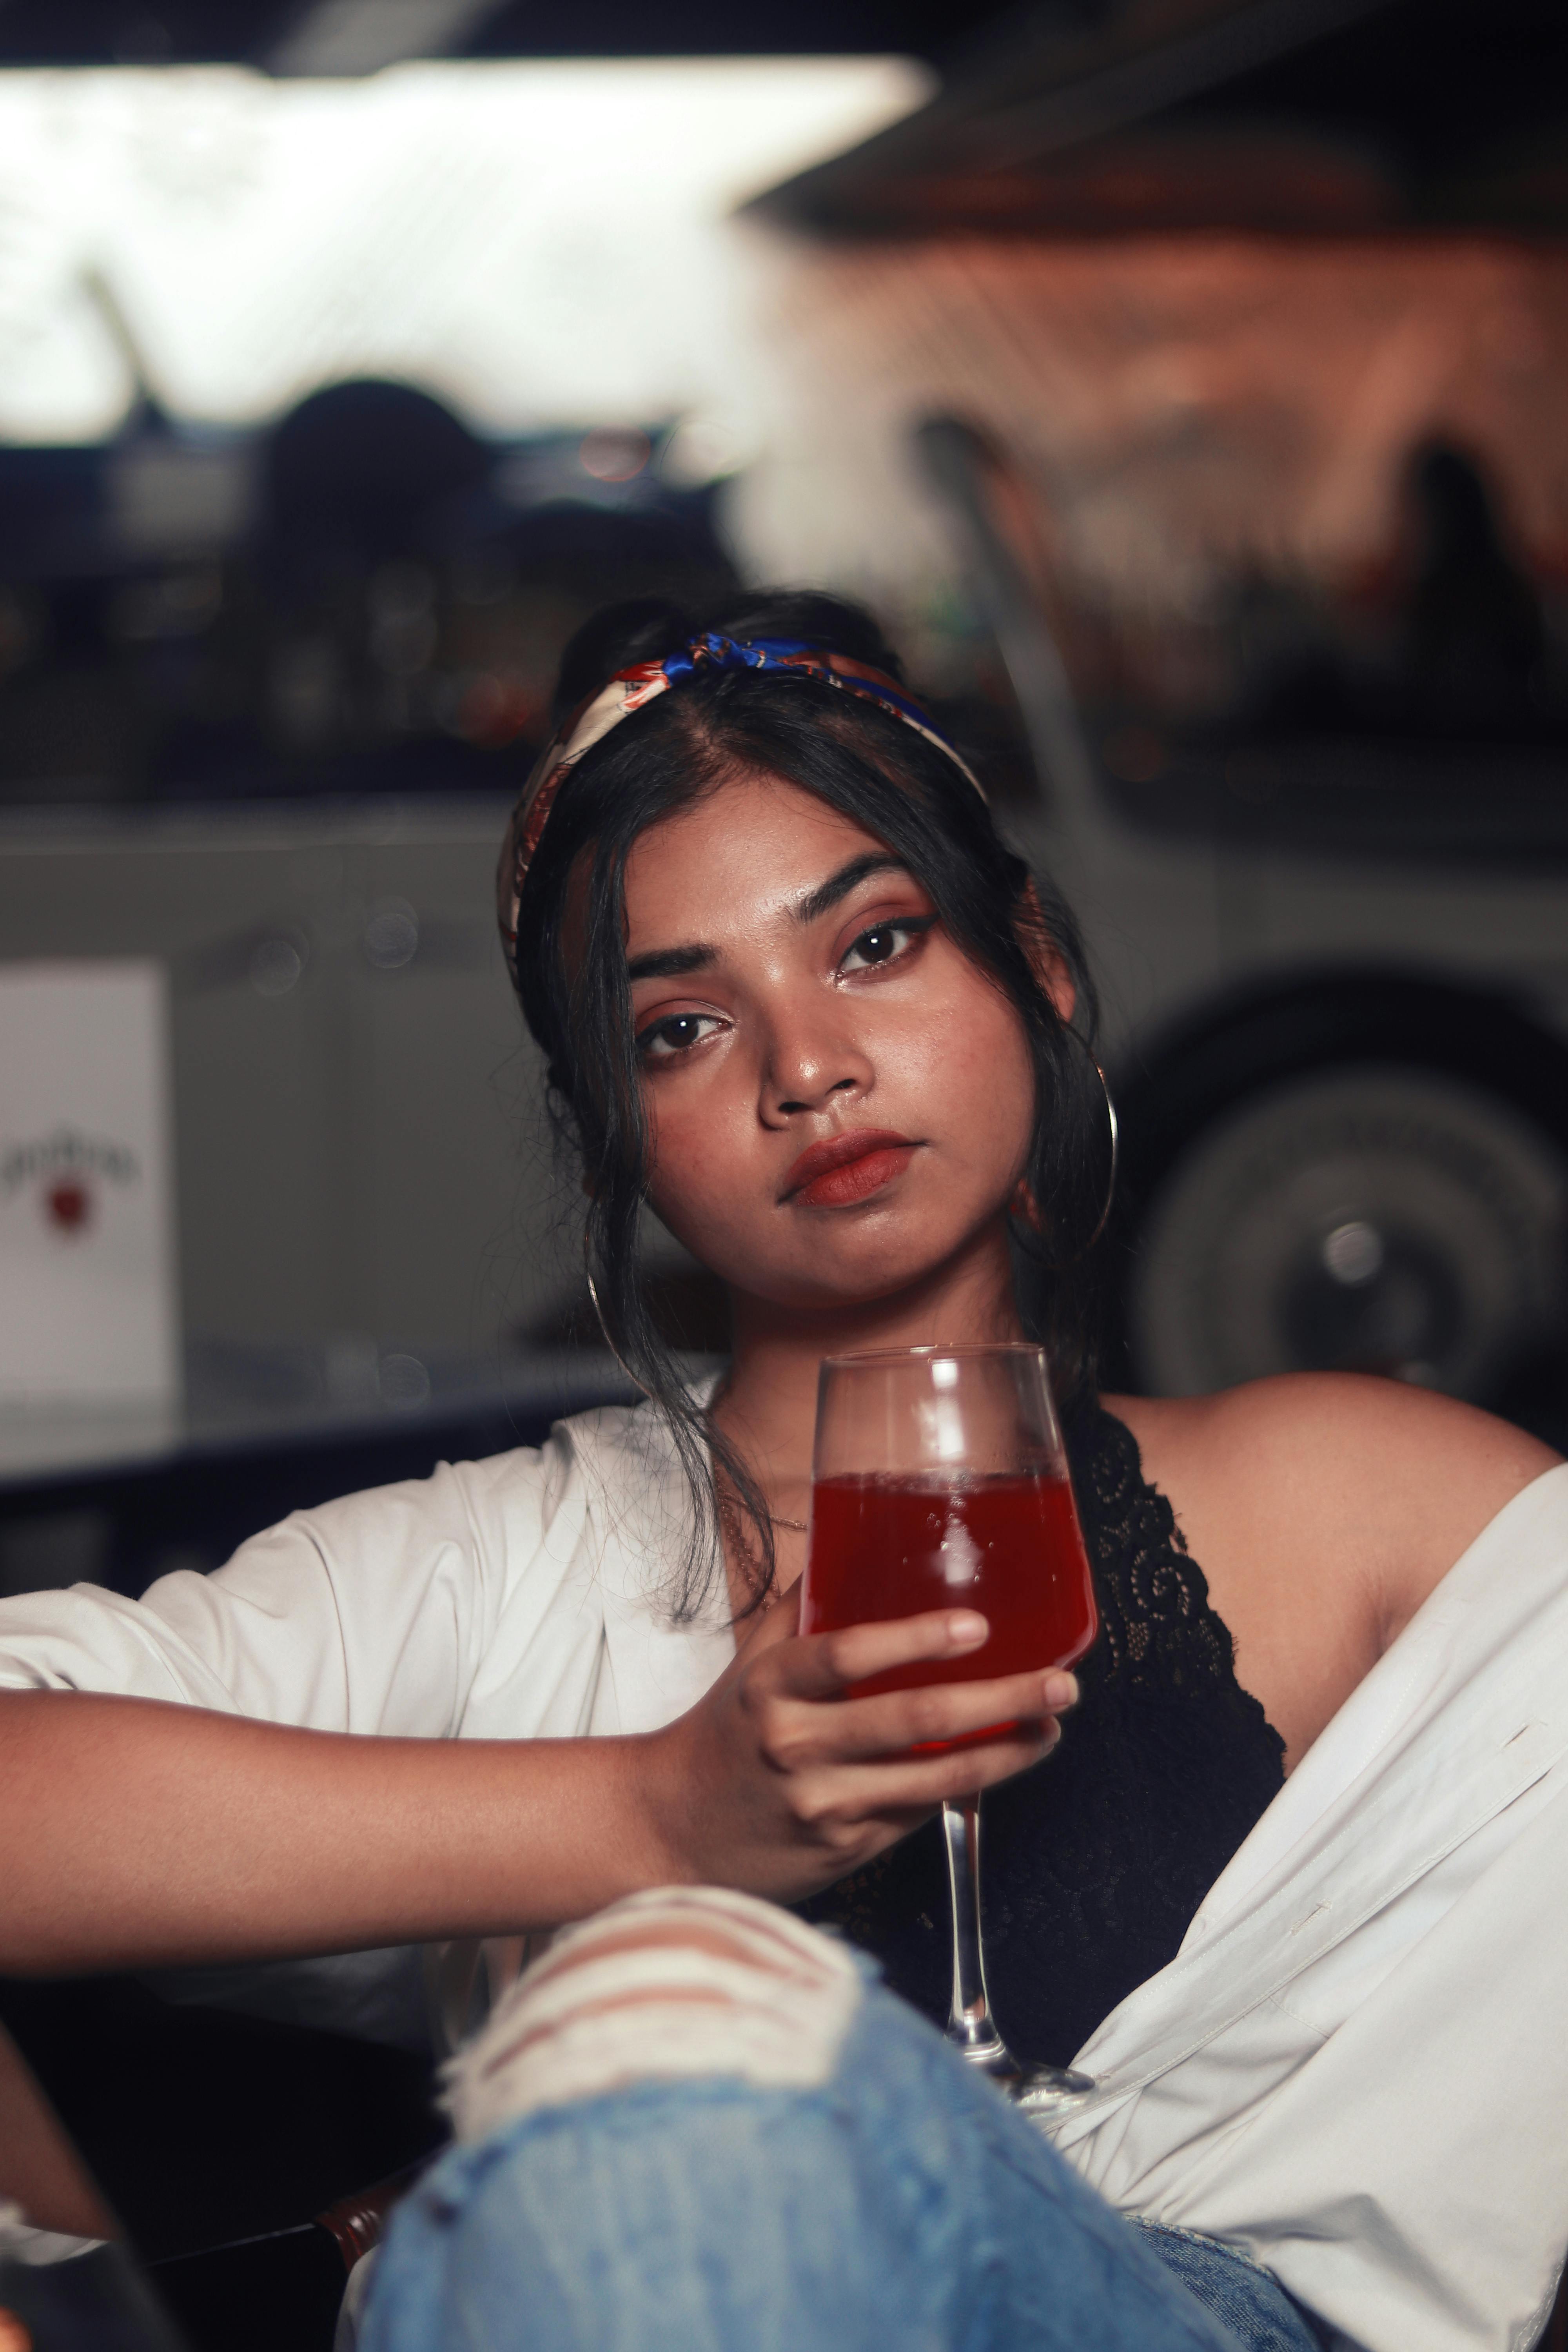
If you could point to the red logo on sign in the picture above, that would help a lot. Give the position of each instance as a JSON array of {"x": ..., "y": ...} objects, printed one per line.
[{"x": 67, "y": 1204}]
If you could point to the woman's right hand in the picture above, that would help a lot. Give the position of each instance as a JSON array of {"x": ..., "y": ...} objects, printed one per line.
[{"x": 776, "y": 1783}]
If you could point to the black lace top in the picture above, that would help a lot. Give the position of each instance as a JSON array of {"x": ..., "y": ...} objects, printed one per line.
[{"x": 1094, "y": 1863}]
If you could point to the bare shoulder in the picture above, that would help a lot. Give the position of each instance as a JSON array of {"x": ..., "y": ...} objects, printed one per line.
[
  {"x": 1344, "y": 1476},
  {"x": 1368, "y": 1430}
]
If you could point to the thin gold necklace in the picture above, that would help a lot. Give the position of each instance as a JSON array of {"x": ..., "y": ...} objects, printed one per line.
[
  {"x": 730, "y": 1513},
  {"x": 727, "y": 1502},
  {"x": 730, "y": 1505}
]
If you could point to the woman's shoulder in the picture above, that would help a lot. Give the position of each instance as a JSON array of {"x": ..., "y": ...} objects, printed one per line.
[
  {"x": 1351, "y": 1412},
  {"x": 611, "y": 1473},
  {"x": 1342, "y": 1477},
  {"x": 484, "y": 1520},
  {"x": 602, "y": 1444}
]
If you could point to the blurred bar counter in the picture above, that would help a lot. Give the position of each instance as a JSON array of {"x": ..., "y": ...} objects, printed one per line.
[{"x": 118, "y": 1499}]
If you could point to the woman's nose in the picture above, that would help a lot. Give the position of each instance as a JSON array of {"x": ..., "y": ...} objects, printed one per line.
[{"x": 809, "y": 1061}]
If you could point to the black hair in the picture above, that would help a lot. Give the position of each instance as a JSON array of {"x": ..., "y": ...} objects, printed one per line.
[{"x": 870, "y": 766}]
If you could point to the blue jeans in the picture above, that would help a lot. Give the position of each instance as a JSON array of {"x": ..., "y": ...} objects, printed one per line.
[{"x": 902, "y": 2206}]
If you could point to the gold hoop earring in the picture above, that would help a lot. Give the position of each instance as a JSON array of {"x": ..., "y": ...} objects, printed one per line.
[
  {"x": 599, "y": 1312},
  {"x": 1114, "y": 1124},
  {"x": 727, "y": 1509},
  {"x": 1114, "y": 1127}
]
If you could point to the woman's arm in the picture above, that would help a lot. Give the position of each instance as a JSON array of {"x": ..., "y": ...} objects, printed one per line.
[{"x": 136, "y": 1833}]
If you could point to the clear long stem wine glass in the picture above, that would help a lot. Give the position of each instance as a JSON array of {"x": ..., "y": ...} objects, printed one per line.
[{"x": 939, "y": 1479}]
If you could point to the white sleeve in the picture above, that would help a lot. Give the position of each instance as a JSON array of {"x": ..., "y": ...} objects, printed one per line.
[{"x": 371, "y": 1614}]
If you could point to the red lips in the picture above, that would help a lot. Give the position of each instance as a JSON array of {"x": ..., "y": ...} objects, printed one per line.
[{"x": 848, "y": 1168}]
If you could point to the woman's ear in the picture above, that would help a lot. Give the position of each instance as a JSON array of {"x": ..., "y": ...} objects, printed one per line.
[{"x": 1046, "y": 960}]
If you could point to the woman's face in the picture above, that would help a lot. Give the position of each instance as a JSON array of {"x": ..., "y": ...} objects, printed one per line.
[{"x": 839, "y": 1102}]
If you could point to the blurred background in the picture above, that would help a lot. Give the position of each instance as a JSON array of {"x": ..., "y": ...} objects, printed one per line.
[{"x": 1181, "y": 381}]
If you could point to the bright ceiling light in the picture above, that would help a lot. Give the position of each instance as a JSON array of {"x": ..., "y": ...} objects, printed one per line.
[{"x": 544, "y": 245}]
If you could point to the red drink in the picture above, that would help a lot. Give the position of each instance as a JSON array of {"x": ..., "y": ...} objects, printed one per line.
[{"x": 885, "y": 1546}]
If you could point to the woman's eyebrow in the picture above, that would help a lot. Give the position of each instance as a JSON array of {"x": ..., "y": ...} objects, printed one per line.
[
  {"x": 668, "y": 963},
  {"x": 839, "y": 886}
]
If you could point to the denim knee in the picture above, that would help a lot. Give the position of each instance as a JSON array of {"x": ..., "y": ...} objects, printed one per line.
[{"x": 883, "y": 2194}]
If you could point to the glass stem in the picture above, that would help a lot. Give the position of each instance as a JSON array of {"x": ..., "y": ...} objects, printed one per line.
[{"x": 970, "y": 2024}]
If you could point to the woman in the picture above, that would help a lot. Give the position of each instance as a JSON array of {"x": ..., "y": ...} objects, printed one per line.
[{"x": 795, "y": 993}]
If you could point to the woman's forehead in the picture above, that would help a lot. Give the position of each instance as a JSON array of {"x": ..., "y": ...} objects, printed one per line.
[{"x": 750, "y": 842}]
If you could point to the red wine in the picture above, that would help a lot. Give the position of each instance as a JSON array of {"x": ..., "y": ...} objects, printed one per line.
[{"x": 1011, "y": 1547}]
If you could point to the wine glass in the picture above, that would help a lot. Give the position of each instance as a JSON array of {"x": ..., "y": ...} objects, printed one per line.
[{"x": 940, "y": 1480}]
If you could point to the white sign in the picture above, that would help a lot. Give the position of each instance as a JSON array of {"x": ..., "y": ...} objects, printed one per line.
[{"x": 88, "y": 1305}]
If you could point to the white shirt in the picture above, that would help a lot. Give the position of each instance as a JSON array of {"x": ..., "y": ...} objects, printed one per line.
[
  {"x": 518, "y": 1598},
  {"x": 1356, "y": 2068}
]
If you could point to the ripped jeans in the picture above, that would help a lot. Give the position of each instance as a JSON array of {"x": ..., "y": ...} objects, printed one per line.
[{"x": 697, "y": 2126}]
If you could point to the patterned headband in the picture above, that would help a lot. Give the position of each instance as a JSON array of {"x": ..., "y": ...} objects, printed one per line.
[{"x": 632, "y": 689}]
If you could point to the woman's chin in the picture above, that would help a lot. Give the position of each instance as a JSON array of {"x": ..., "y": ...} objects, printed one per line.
[
  {"x": 850, "y": 1262},
  {"x": 825, "y": 1291}
]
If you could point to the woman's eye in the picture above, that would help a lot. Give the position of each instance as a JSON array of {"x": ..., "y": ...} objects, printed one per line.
[
  {"x": 885, "y": 941},
  {"x": 674, "y": 1035}
]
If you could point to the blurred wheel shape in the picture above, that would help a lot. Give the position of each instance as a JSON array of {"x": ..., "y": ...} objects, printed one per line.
[{"x": 1378, "y": 1218}]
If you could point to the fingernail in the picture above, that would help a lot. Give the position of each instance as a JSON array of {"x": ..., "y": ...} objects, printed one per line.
[
  {"x": 1061, "y": 1692},
  {"x": 966, "y": 1627}
]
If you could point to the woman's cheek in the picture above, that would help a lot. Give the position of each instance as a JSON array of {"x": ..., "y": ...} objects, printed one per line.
[
  {"x": 964, "y": 1069},
  {"x": 699, "y": 1186}
]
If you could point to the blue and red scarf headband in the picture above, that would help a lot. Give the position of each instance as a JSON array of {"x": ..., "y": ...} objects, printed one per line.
[{"x": 632, "y": 689}]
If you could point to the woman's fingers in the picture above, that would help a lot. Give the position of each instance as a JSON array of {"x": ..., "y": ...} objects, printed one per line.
[
  {"x": 778, "y": 1781},
  {"x": 787, "y": 1691},
  {"x": 896, "y": 1721},
  {"x": 820, "y": 1666},
  {"x": 839, "y": 1803}
]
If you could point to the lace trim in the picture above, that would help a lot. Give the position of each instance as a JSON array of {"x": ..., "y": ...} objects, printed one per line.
[{"x": 1143, "y": 1565}]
